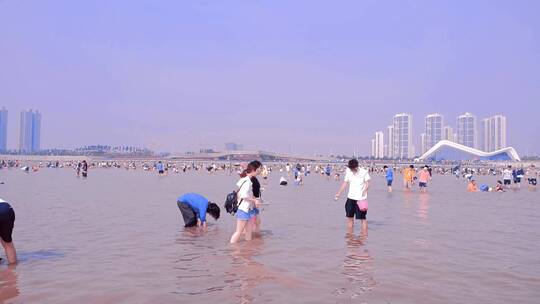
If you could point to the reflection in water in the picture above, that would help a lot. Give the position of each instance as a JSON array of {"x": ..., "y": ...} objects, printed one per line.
[
  {"x": 247, "y": 273},
  {"x": 408, "y": 198},
  {"x": 423, "y": 206},
  {"x": 8, "y": 284},
  {"x": 358, "y": 265}
]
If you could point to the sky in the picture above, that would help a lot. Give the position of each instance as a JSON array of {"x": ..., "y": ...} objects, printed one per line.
[{"x": 287, "y": 76}]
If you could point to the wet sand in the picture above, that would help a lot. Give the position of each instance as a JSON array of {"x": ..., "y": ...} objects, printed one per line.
[{"x": 118, "y": 237}]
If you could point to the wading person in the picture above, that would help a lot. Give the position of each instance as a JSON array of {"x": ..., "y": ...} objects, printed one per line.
[
  {"x": 532, "y": 175},
  {"x": 356, "y": 205},
  {"x": 84, "y": 168},
  {"x": 408, "y": 177},
  {"x": 256, "y": 189},
  {"x": 389, "y": 177},
  {"x": 246, "y": 203},
  {"x": 7, "y": 222},
  {"x": 424, "y": 178},
  {"x": 194, "y": 207}
]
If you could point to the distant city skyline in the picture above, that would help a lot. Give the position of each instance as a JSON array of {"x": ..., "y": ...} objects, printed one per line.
[
  {"x": 488, "y": 136},
  {"x": 30, "y": 131},
  {"x": 304, "y": 77}
]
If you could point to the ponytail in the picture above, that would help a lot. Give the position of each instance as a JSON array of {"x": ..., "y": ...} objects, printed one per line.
[{"x": 250, "y": 168}]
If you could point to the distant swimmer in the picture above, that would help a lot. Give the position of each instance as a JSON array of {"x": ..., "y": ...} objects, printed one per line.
[
  {"x": 356, "y": 204},
  {"x": 472, "y": 187},
  {"x": 408, "y": 177},
  {"x": 264, "y": 172},
  {"x": 507, "y": 176},
  {"x": 283, "y": 181},
  {"x": 194, "y": 207},
  {"x": 84, "y": 169},
  {"x": 328, "y": 171},
  {"x": 160, "y": 168},
  {"x": 499, "y": 187},
  {"x": 389, "y": 177},
  {"x": 424, "y": 178},
  {"x": 78, "y": 169},
  {"x": 532, "y": 175},
  {"x": 7, "y": 222}
]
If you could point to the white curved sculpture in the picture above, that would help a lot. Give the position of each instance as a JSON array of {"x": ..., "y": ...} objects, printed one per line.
[{"x": 509, "y": 151}]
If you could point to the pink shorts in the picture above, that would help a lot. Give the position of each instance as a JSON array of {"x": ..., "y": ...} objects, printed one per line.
[{"x": 362, "y": 205}]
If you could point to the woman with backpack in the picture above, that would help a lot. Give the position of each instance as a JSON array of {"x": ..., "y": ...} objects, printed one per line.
[{"x": 246, "y": 203}]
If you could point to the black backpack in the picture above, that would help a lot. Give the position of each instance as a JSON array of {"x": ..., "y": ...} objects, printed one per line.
[{"x": 231, "y": 202}]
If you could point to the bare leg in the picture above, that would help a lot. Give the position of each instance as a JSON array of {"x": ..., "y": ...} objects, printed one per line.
[
  {"x": 350, "y": 224},
  {"x": 11, "y": 253},
  {"x": 240, "y": 226},
  {"x": 364, "y": 227},
  {"x": 257, "y": 228},
  {"x": 249, "y": 230}
]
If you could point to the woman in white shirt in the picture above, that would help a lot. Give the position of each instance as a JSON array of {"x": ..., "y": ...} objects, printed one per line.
[
  {"x": 246, "y": 203},
  {"x": 356, "y": 204}
]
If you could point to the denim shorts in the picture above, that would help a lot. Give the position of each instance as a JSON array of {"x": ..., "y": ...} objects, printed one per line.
[
  {"x": 255, "y": 211},
  {"x": 244, "y": 216}
]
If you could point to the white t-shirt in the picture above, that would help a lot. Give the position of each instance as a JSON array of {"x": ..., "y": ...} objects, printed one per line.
[
  {"x": 244, "y": 191},
  {"x": 507, "y": 174},
  {"x": 357, "y": 183}
]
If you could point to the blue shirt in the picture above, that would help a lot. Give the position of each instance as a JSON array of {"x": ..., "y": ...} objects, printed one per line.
[
  {"x": 196, "y": 201},
  {"x": 389, "y": 174},
  {"x": 159, "y": 166}
]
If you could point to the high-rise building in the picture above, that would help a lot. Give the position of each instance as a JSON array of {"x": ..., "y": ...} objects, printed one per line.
[
  {"x": 434, "y": 130},
  {"x": 493, "y": 133},
  {"x": 377, "y": 145},
  {"x": 423, "y": 142},
  {"x": 30, "y": 131},
  {"x": 466, "y": 130},
  {"x": 403, "y": 146},
  {"x": 3, "y": 129},
  {"x": 390, "y": 142},
  {"x": 448, "y": 133}
]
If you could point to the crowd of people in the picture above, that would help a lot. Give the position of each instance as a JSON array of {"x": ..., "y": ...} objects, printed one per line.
[{"x": 246, "y": 200}]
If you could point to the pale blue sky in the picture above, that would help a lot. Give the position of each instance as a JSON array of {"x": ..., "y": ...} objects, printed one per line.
[{"x": 298, "y": 76}]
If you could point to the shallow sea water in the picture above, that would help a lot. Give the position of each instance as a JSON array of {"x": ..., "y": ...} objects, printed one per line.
[{"x": 118, "y": 237}]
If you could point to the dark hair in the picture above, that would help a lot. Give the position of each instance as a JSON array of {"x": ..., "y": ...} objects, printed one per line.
[
  {"x": 411, "y": 166},
  {"x": 385, "y": 166},
  {"x": 499, "y": 182},
  {"x": 250, "y": 168},
  {"x": 213, "y": 210},
  {"x": 353, "y": 164},
  {"x": 257, "y": 164}
]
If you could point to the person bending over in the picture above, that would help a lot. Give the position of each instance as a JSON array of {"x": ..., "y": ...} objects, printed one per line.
[{"x": 194, "y": 207}]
